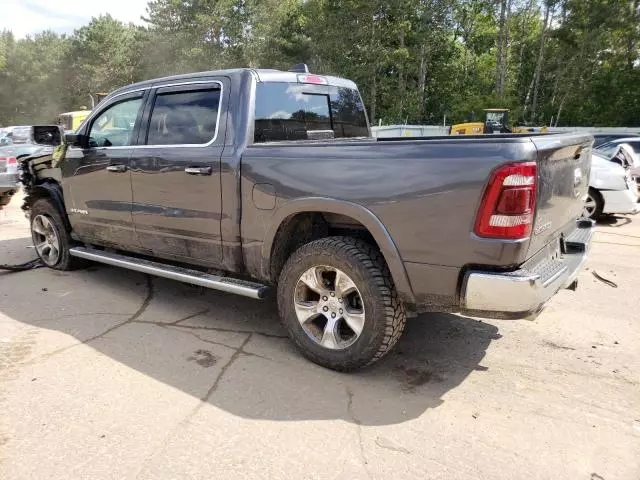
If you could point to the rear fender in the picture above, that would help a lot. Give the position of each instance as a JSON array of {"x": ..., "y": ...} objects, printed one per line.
[{"x": 357, "y": 212}]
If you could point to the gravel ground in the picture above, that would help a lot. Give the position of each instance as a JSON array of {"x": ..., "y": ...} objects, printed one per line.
[{"x": 110, "y": 374}]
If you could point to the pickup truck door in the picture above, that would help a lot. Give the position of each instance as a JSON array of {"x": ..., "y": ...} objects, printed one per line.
[
  {"x": 176, "y": 172},
  {"x": 97, "y": 179}
]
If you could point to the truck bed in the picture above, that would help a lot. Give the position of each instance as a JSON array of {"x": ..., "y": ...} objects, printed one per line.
[{"x": 426, "y": 190}]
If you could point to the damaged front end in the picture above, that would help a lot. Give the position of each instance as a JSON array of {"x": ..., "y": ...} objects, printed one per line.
[
  {"x": 40, "y": 176},
  {"x": 38, "y": 170}
]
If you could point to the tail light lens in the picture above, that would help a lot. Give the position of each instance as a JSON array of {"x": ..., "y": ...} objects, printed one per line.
[
  {"x": 508, "y": 203},
  {"x": 12, "y": 160}
]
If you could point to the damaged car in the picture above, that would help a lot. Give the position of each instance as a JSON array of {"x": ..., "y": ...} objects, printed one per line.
[
  {"x": 38, "y": 140},
  {"x": 612, "y": 187}
]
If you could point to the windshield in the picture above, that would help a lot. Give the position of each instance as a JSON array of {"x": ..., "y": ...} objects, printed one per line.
[
  {"x": 495, "y": 119},
  {"x": 298, "y": 111}
]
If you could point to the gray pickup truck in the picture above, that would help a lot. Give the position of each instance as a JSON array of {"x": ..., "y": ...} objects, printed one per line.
[{"x": 240, "y": 180}]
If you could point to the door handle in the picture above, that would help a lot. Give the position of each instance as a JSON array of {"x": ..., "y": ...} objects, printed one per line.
[
  {"x": 198, "y": 170},
  {"x": 117, "y": 168}
]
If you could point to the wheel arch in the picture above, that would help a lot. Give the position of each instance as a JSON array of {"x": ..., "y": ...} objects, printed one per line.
[
  {"x": 51, "y": 190},
  {"x": 373, "y": 226}
]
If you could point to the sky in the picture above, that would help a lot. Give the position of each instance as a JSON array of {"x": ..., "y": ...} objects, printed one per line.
[{"x": 24, "y": 17}]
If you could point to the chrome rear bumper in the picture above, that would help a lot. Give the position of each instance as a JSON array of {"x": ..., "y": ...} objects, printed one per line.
[{"x": 522, "y": 292}]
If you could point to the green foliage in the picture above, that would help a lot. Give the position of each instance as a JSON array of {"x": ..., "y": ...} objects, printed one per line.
[
  {"x": 31, "y": 68},
  {"x": 415, "y": 61}
]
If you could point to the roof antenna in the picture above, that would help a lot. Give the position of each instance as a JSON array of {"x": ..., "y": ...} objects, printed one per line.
[{"x": 299, "y": 68}]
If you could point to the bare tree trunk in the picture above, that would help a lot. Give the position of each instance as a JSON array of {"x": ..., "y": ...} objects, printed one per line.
[
  {"x": 564, "y": 97},
  {"x": 402, "y": 84},
  {"x": 523, "y": 28},
  {"x": 555, "y": 89},
  {"x": 563, "y": 65},
  {"x": 538, "y": 71},
  {"x": 527, "y": 98},
  {"x": 634, "y": 18},
  {"x": 374, "y": 92},
  {"x": 505, "y": 51},
  {"x": 499, "y": 57},
  {"x": 422, "y": 79},
  {"x": 374, "y": 68}
]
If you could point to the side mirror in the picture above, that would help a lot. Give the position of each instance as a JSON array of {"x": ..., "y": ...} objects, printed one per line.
[
  {"x": 50, "y": 135},
  {"x": 75, "y": 140}
]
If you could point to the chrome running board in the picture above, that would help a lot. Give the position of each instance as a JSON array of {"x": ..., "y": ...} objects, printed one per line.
[{"x": 186, "y": 275}]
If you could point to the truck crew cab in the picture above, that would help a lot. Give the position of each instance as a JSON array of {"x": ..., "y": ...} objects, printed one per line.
[{"x": 243, "y": 180}]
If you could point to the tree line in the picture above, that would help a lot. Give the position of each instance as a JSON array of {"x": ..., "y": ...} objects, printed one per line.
[{"x": 559, "y": 62}]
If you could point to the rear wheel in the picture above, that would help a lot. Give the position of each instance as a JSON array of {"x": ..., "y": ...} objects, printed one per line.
[
  {"x": 50, "y": 236},
  {"x": 337, "y": 300},
  {"x": 593, "y": 205}
]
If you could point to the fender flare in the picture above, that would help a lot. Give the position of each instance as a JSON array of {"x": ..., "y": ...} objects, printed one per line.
[
  {"x": 54, "y": 191},
  {"x": 357, "y": 212}
]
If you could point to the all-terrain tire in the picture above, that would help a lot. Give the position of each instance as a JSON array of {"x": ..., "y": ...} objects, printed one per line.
[
  {"x": 65, "y": 261},
  {"x": 384, "y": 312}
]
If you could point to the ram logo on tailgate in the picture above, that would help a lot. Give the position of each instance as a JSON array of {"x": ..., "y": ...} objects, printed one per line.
[{"x": 541, "y": 226}]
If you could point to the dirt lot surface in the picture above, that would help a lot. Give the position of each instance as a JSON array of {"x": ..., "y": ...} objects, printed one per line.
[{"x": 109, "y": 374}]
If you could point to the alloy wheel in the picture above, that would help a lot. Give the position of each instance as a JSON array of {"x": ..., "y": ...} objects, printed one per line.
[
  {"x": 45, "y": 239},
  {"x": 589, "y": 207},
  {"x": 329, "y": 307}
]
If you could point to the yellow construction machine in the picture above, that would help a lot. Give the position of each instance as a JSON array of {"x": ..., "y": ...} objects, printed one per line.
[
  {"x": 70, "y": 121},
  {"x": 496, "y": 120}
]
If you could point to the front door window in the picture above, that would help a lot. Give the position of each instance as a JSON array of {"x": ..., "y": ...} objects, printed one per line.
[{"x": 114, "y": 126}]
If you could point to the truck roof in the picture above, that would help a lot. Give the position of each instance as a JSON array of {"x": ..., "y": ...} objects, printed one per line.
[{"x": 261, "y": 75}]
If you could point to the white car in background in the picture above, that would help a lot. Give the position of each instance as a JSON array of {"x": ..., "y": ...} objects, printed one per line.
[
  {"x": 611, "y": 189},
  {"x": 609, "y": 149}
]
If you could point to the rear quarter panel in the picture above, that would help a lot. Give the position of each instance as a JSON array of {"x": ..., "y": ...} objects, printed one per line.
[{"x": 425, "y": 192}]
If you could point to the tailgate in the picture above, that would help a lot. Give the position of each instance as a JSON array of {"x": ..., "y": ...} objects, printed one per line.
[{"x": 564, "y": 165}]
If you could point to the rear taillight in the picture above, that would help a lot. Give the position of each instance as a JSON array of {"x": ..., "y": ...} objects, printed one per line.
[
  {"x": 508, "y": 203},
  {"x": 12, "y": 160}
]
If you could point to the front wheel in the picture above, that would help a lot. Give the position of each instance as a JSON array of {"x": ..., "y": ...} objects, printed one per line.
[
  {"x": 50, "y": 237},
  {"x": 338, "y": 302}
]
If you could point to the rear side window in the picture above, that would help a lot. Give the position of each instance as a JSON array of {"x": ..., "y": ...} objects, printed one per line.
[
  {"x": 184, "y": 118},
  {"x": 296, "y": 111}
]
